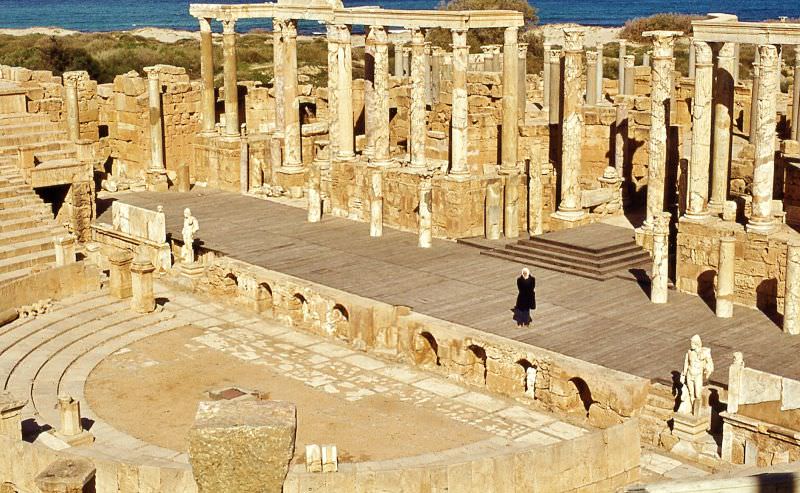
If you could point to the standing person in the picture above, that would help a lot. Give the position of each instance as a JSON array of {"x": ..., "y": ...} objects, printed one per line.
[{"x": 526, "y": 299}]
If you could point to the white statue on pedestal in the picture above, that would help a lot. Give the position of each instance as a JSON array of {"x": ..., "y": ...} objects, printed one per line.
[
  {"x": 697, "y": 368},
  {"x": 190, "y": 227}
]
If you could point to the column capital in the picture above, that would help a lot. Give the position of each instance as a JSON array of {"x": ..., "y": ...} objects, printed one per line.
[
  {"x": 523, "y": 49},
  {"x": 290, "y": 28},
  {"x": 278, "y": 24},
  {"x": 378, "y": 35},
  {"x": 702, "y": 53},
  {"x": 228, "y": 26},
  {"x": 591, "y": 57},
  {"x": 152, "y": 72},
  {"x": 510, "y": 35},
  {"x": 622, "y": 42},
  {"x": 663, "y": 42},
  {"x": 726, "y": 50},
  {"x": 459, "y": 38},
  {"x": 417, "y": 37},
  {"x": 629, "y": 61},
  {"x": 554, "y": 55},
  {"x": 573, "y": 38},
  {"x": 205, "y": 24},
  {"x": 769, "y": 56}
]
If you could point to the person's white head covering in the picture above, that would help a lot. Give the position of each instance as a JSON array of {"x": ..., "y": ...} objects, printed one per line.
[{"x": 525, "y": 272}]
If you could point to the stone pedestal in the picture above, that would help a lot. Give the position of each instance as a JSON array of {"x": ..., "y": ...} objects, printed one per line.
[
  {"x": 65, "y": 249},
  {"x": 242, "y": 446},
  {"x": 120, "y": 274},
  {"x": 184, "y": 183},
  {"x": 690, "y": 428},
  {"x": 425, "y": 219},
  {"x": 70, "y": 475},
  {"x": 156, "y": 180},
  {"x": 659, "y": 280},
  {"x": 511, "y": 207},
  {"x": 313, "y": 193},
  {"x": 376, "y": 203},
  {"x": 725, "y": 277},
  {"x": 71, "y": 429},
  {"x": 791, "y": 301},
  {"x": 494, "y": 210},
  {"x": 10, "y": 415},
  {"x": 192, "y": 270},
  {"x": 143, "y": 300}
]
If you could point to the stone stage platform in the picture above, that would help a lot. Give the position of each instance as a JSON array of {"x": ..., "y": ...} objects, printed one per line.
[{"x": 609, "y": 323}]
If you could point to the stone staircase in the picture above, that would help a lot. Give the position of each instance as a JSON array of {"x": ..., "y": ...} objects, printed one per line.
[
  {"x": 27, "y": 226},
  {"x": 658, "y": 410},
  {"x": 596, "y": 251}
]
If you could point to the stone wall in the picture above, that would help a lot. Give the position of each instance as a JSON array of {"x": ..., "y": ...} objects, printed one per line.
[{"x": 55, "y": 283}]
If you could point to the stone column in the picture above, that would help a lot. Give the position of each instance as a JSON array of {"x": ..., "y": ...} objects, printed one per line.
[
  {"x": 620, "y": 137},
  {"x": 546, "y": 77},
  {"x": 600, "y": 96},
  {"x": 313, "y": 193},
  {"x": 697, "y": 203},
  {"x": 65, "y": 250},
  {"x": 646, "y": 59},
  {"x": 511, "y": 206},
  {"x": 333, "y": 89},
  {"x": 761, "y": 218},
  {"x": 10, "y": 415},
  {"x": 425, "y": 202},
  {"x": 376, "y": 203},
  {"x": 570, "y": 209},
  {"x": 488, "y": 64},
  {"x": 143, "y": 300},
  {"x": 344, "y": 98},
  {"x": 398, "y": 59},
  {"x": 535, "y": 190},
  {"x": 661, "y": 82},
  {"x": 554, "y": 98},
  {"x": 754, "y": 99},
  {"x": 725, "y": 277},
  {"x": 418, "y": 116},
  {"x": 291, "y": 134},
  {"x": 460, "y": 107},
  {"x": 369, "y": 95},
  {"x": 591, "y": 78},
  {"x": 380, "y": 94},
  {"x": 244, "y": 161},
  {"x": 660, "y": 277},
  {"x": 208, "y": 98},
  {"x": 67, "y": 475},
  {"x": 436, "y": 72},
  {"x": 522, "y": 85},
  {"x": 692, "y": 58},
  {"x": 796, "y": 96},
  {"x": 71, "y": 97},
  {"x": 278, "y": 74},
  {"x": 493, "y": 212},
  {"x": 497, "y": 58},
  {"x": 120, "y": 274},
  {"x": 621, "y": 65},
  {"x": 229, "y": 68},
  {"x": 736, "y": 58},
  {"x": 428, "y": 82},
  {"x": 156, "y": 125},
  {"x": 510, "y": 129},
  {"x": 791, "y": 300},
  {"x": 406, "y": 61},
  {"x": 723, "y": 111},
  {"x": 69, "y": 411},
  {"x": 630, "y": 75}
]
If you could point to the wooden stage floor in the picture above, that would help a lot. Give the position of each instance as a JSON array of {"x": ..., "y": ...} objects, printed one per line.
[{"x": 610, "y": 323}]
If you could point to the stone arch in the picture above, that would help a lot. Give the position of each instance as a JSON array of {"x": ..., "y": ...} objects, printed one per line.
[
  {"x": 477, "y": 372},
  {"x": 339, "y": 321},
  {"x": 426, "y": 349},
  {"x": 230, "y": 283},
  {"x": 530, "y": 372},
  {"x": 583, "y": 396},
  {"x": 298, "y": 309},
  {"x": 264, "y": 299}
]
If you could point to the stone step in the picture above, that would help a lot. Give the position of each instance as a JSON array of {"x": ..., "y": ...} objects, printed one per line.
[
  {"x": 658, "y": 413},
  {"x": 19, "y": 223},
  {"x": 13, "y": 190},
  {"x": 7, "y": 203},
  {"x": 620, "y": 260},
  {"x": 15, "y": 118},
  {"x": 27, "y": 254},
  {"x": 11, "y": 238},
  {"x": 536, "y": 262},
  {"x": 23, "y": 127},
  {"x": 38, "y": 211},
  {"x": 58, "y": 163},
  {"x": 661, "y": 402},
  {"x": 7, "y": 277},
  {"x": 56, "y": 144},
  {"x": 8, "y": 142},
  {"x": 55, "y": 154}
]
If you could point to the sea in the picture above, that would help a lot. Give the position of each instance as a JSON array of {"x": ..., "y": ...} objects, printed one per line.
[{"x": 115, "y": 15}]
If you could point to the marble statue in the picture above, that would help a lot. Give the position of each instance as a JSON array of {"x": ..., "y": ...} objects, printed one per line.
[
  {"x": 697, "y": 368},
  {"x": 190, "y": 227}
]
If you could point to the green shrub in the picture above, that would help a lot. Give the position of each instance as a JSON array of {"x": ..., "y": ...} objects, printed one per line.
[
  {"x": 479, "y": 37},
  {"x": 634, "y": 28}
]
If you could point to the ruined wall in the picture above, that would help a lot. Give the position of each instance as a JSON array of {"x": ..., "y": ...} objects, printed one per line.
[
  {"x": 597, "y": 145},
  {"x": 55, "y": 283}
]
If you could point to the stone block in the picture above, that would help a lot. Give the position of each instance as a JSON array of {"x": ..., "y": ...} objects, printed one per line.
[
  {"x": 71, "y": 475},
  {"x": 242, "y": 446},
  {"x": 330, "y": 458}
]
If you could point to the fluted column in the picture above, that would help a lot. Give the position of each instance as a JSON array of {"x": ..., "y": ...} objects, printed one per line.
[
  {"x": 333, "y": 89},
  {"x": 554, "y": 98},
  {"x": 659, "y": 281},
  {"x": 546, "y": 76},
  {"x": 279, "y": 74},
  {"x": 522, "y": 85},
  {"x": 761, "y": 218},
  {"x": 571, "y": 128},
  {"x": 460, "y": 108},
  {"x": 292, "y": 143},
  {"x": 229, "y": 67},
  {"x": 156, "y": 125},
  {"x": 791, "y": 299},
  {"x": 436, "y": 72},
  {"x": 71, "y": 99},
  {"x": 754, "y": 98},
  {"x": 661, "y": 81},
  {"x": 380, "y": 96},
  {"x": 591, "y": 78},
  {"x": 796, "y": 96},
  {"x": 398, "y": 59},
  {"x": 418, "y": 117},
  {"x": 692, "y": 58},
  {"x": 599, "y": 73},
  {"x": 621, "y": 64},
  {"x": 723, "y": 113},
  {"x": 629, "y": 65},
  {"x": 369, "y": 95},
  {"x": 207, "y": 98},
  {"x": 425, "y": 213},
  {"x": 697, "y": 204},
  {"x": 428, "y": 82},
  {"x": 344, "y": 98},
  {"x": 620, "y": 137},
  {"x": 510, "y": 129},
  {"x": 726, "y": 277}
]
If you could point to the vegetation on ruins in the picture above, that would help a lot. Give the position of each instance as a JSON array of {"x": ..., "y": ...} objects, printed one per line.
[{"x": 634, "y": 28}]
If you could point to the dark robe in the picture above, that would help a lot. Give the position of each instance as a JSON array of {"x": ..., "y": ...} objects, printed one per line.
[{"x": 526, "y": 299}]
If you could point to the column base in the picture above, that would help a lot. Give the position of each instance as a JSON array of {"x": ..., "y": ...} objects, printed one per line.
[
  {"x": 192, "y": 271},
  {"x": 156, "y": 181},
  {"x": 716, "y": 208},
  {"x": 569, "y": 215},
  {"x": 761, "y": 227},
  {"x": 293, "y": 179},
  {"x": 458, "y": 176},
  {"x": 208, "y": 133},
  {"x": 696, "y": 217},
  {"x": 690, "y": 427},
  {"x": 82, "y": 438},
  {"x": 385, "y": 163},
  {"x": 346, "y": 157}
]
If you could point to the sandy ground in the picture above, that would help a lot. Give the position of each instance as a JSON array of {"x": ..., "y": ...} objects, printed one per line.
[
  {"x": 152, "y": 391},
  {"x": 552, "y": 32}
]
